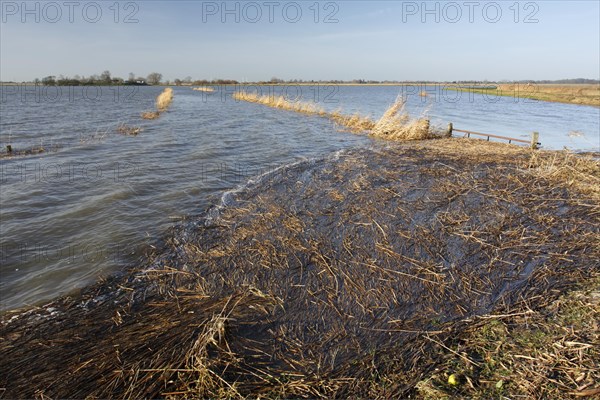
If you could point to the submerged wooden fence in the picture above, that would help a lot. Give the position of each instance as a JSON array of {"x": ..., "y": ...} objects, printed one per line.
[{"x": 533, "y": 142}]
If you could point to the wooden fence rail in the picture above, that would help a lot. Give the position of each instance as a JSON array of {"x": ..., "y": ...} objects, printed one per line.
[{"x": 533, "y": 142}]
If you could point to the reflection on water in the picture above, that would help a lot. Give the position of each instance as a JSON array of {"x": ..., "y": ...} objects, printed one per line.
[{"x": 96, "y": 200}]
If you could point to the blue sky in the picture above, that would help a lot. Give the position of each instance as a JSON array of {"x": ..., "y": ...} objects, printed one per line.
[{"x": 390, "y": 40}]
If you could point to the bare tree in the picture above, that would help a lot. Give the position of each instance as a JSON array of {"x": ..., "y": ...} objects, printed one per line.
[
  {"x": 154, "y": 78},
  {"x": 105, "y": 76}
]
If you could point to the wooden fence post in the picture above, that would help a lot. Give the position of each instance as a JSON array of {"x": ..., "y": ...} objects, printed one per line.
[
  {"x": 449, "y": 131},
  {"x": 535, "y": 138}
]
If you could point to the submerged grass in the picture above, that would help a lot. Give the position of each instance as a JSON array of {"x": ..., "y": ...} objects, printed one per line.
[
  {"x": 125, "y": 129},
  {"x": 394, "y": 124},
  {"x": 377, "y": 274}
]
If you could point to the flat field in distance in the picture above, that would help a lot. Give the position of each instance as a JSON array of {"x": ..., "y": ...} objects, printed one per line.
[{"x": 583, "y": 94}]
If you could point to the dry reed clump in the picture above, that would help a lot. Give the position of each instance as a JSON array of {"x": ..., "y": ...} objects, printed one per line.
[
  {"x": 163, "y": 101},
  {"x": 574, "y": 170},
  {"x": 395, "y": 123},
  {"x": 125, "y": 129},
  {"x": 355, "y": 122},
  {"x": 291, "y": 292}
]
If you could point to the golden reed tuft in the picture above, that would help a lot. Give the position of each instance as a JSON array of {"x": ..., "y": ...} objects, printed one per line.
[{"x": 163, "y": 101}]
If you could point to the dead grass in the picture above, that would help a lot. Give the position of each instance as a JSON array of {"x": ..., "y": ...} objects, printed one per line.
[
  {"x": 280, "y": 102},
  {"x": 579, "y": 172},
  {"x": 354, "y": 123},
  {"x": 125, "y": 129},
  {"x": 394, "y": 124},
  {"x": 376, "y": 274},
  {"x": 163, "y": 101},
  {"x": 534, "y": 352}
]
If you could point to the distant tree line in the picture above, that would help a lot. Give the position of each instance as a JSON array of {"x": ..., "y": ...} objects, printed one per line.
[
  {"x": 104, "y": 79},
  {"x": 155, "y": 78}
]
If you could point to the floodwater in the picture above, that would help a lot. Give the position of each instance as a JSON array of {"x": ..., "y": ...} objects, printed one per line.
[{"x": 95, "y": 201}]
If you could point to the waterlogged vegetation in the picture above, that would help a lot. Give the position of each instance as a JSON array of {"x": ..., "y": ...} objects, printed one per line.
[
  {"x": 163, "y": 101},
  {"x": 415, "y": 268},
  {"x": 435, "y": 267},
  {"x": 394, "y": 124}
]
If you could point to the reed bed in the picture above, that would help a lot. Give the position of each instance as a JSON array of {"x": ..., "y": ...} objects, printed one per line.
[
  {"x": 280, "y": 102},
  {"x": 394, "y": 124},
  {"x": 163, "y": 101},
  {"x": 374, "y": 274}
]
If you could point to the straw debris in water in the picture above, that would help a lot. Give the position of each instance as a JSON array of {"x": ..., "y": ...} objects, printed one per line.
[
  {"x": 375, "y": 274},
  {"x": 125, "y": 129}
]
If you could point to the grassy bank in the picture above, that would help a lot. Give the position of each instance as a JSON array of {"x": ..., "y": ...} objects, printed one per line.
[
  {"x": 374, "y": 274},
  {"x": 546, "y": 351},
  {"x": 570, "y": 94}
]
